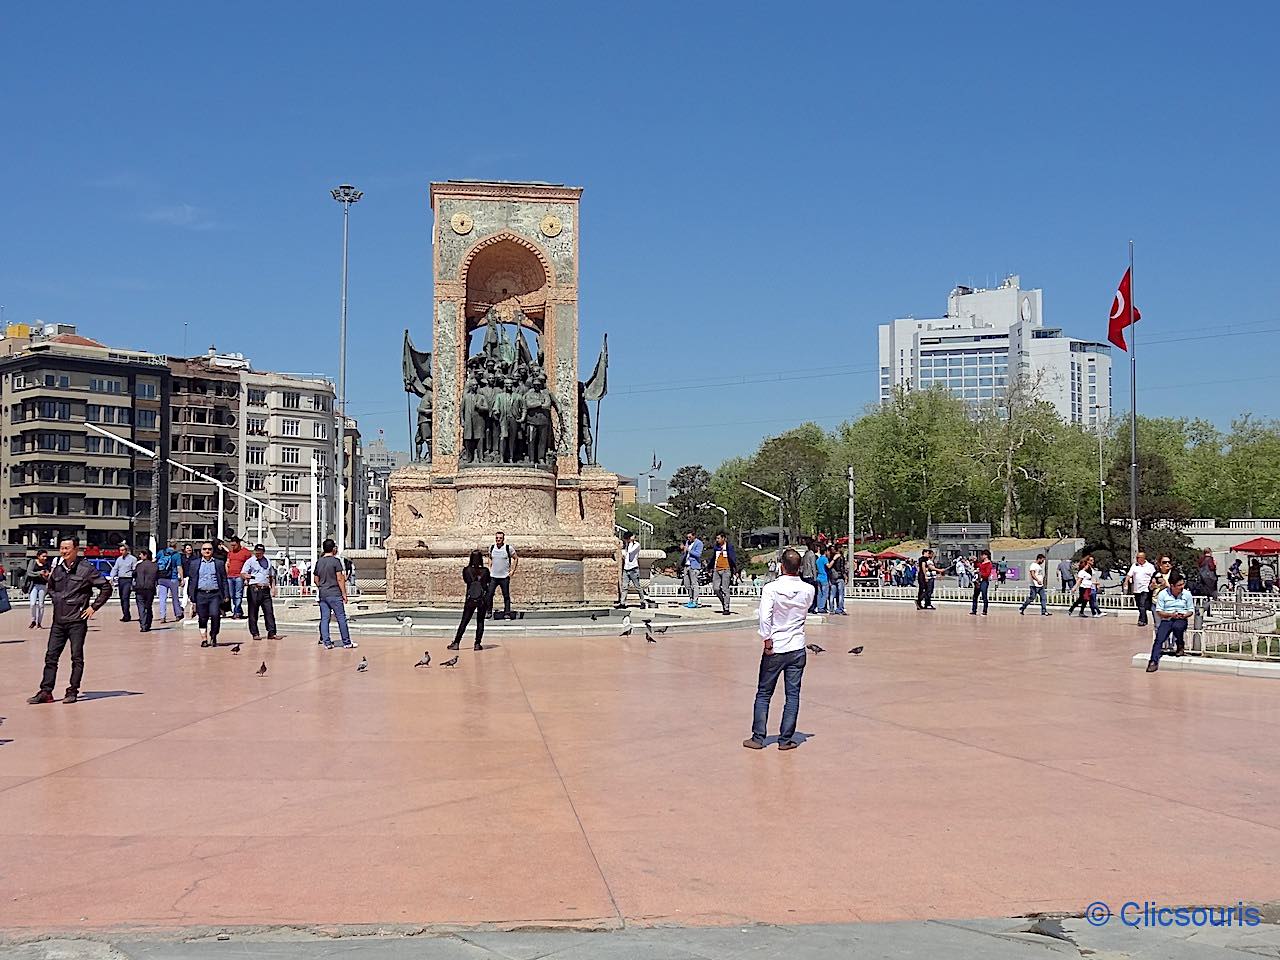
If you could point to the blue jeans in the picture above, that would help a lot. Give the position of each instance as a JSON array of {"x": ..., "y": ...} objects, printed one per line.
[
  {"x": 837, "y": 596},
  {"x": 980, "y": 588},
  {"x": 772, "y": 665},
  {"x": 824, "y": 592},
  {"x": 1032, "y": 593},
  {"x": 1178, "y": 628},
  {"x": 237, "y": 592},
  {"x": 167, "y": 589},
  {"x": 335, "y": 606}
]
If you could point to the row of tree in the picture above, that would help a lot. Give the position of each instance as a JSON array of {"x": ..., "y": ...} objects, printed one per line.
[{"x": 926, "y": 457}]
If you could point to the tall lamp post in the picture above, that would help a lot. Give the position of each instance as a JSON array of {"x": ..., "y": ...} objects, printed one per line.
[
  {"x": 775, "y": 498},
  {"x": 346, "y": 195}
]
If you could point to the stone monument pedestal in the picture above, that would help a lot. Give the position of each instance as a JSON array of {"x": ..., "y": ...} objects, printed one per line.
[{"x": 562, "y": 530}]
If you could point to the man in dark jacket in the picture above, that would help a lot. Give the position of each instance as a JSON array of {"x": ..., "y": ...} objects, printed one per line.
[
  {"x": 724, "y": 565},
  {"x": 71, "y": 584},
  {"x": 206, "y": 588},
  {"x": 145, "y": 577}
]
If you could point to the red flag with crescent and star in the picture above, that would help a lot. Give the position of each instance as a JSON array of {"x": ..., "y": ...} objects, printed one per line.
[{"x": 1120, "y": 312}]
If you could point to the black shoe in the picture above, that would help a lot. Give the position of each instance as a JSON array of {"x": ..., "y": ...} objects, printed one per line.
[
  {"x": 71, "y": 697},
  {"x": 41, "y": 697},
  {"x": 452, "y": 646},
  {"x": 1152, "y": 667},
  {"x": 213, "y": 643},
  {"x": 204, "y": 643},
  {"x": 477, "y": 646}
]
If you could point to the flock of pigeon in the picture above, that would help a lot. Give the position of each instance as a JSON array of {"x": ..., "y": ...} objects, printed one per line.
[{"x": 649, "y": 634}]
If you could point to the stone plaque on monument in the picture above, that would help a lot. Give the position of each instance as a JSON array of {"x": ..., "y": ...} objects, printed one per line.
[{"x": 502, "y": 416}]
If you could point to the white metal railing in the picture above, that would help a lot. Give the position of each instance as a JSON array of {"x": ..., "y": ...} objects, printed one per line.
[{"x": 1254, "y": 524}]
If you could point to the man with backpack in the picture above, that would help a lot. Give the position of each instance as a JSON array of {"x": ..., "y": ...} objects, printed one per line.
[
  {"x": 169, "y": 564},
  {"x": 503, "y": 561}
]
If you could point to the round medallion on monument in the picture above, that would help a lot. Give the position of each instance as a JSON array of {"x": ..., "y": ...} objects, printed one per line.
[
  {"x": 551, "y": 226},
  {"x": 461, "y": 223}
]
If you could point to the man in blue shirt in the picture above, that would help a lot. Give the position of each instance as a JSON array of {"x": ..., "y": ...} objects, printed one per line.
[
  {"x": 122, "y": 579},
  {"x": 692, "y": 566},
  {"x": 206, "y": 587},
  {"x": 169, "y": 563},
  {"x": 822, "y": 580},
  {"x": 1174, "y": 606}
]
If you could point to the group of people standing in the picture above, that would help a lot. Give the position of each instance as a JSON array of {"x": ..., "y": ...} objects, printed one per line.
[{"x": 826, "y": 570}]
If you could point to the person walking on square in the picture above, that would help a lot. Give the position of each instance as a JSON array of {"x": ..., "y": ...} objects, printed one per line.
[
  {"x": 982, "y": 583},
  {"x": 1067, "y": 574},
  {"x": 169, "y": 578},
  {"x": 331, "y": 590},
  {"x": 1036, "y": 573},
  {"x": 838, "y": 571},
  {"x": 1138, "y": 582},
  {"x": 479, "y": 594},
  {"x": 71, "y": 584},
  {"x": 122, "y": 580},
  {"x": 503, "y": 561},
  {"x": 145, "y": 577},
  {"x": 237, "y": 556},
  {"x": 1173, "y": 608},
  {"x": 37, "y": 585},
  {"x": 206, "y": 588},
  {"x": 784, "y": 605},
  {"x": 822, "y": 580},
  {"x": 1084, "y": 586},
  {"x": 809, "y": 570},
  {"x": 926, "y": 578},
  {"x": 724, "y": 567},
  {"x": 691, "y": 566},
  {"x": 630, "y": 574},
  {"x": 260, "y": 581}
]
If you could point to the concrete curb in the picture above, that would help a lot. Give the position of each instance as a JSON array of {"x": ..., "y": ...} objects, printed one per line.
[{"x": 1239, "y": 668}]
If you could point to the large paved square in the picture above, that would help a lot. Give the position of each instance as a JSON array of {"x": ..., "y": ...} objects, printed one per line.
[{"x": 961, "y": 767}]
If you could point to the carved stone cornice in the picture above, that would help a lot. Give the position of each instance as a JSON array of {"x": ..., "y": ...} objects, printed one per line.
[{"x": 515, "y": 190}]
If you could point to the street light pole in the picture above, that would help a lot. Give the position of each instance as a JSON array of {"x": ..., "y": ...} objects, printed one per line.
[
  {"x": 1102, "y": 480},
  {"x": 346, "y": 195},
  {"x": 774, "y": 497}
]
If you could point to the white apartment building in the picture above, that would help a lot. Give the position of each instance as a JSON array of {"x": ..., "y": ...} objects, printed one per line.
[
  {"x": 379, "y": 462},
  {"x": 988, "y": 336},
  {"x": 288, "y": 423}
]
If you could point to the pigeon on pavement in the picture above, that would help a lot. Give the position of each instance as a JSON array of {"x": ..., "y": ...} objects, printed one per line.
[
  {"x": 363, "y": 665},
  {"x": 663, "y": 629},
  {"x": 856, "y": 650},
  {"x": 453, "y": 662},
  {"x": 262, "y": 670},
  {"x": 815, "y": 648},
  {"x": 426, "y": 659},
  {"x": 235, "y": 649}
]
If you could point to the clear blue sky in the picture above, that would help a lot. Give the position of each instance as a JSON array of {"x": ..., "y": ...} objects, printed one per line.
[{"x": 764, "y": 184}]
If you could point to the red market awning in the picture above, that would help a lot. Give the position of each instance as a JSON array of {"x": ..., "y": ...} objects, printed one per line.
[
  {"x": 1261, "y": 546},
  {"x": 865, "y": 555},
  {"x": 889, "y": 555}
]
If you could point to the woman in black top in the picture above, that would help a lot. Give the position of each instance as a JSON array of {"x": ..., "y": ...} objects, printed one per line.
[{"x": 476, "y": 576}]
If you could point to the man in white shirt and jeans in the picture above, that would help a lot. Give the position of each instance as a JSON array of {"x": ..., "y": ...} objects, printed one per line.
[
  {"x": 1138, "y": 580},
  {"x": 784, "y": 604},
  {"x": 1036, "y": 573},
  {"x": 630, "y": 571},
  {"x": 502, "y": 567}
]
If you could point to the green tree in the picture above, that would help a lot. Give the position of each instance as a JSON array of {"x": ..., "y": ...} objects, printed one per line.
[
  {"x": 791, "y": 466},
  {"x": 690, "y": 488}
]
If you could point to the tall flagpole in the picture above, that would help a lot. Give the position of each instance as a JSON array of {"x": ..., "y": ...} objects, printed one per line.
[{"x": 1133, "y": 421}]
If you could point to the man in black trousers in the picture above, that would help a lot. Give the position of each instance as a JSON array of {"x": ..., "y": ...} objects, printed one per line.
[
  {"x": 71, "y": 584},
  {"x": 207, "y": 587}
]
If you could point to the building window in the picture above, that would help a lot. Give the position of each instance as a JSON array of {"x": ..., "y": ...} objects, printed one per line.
[
  {"x": 145, "y": 390},
  {"x": 255, "y": 426},
  {"x": 255, "y": 455},
  {"x": 320, "y": 430},
  {"x": 289, "y": 483},
  {"x": 320, "y": 402},
  {"x": 257, "y": 397},
  {"x": 291, "y": 511},
  {"x": 291, "y": 400},
  {"x": 291, "y": 455},
  {"x": 105, "y": 385},
  {"x": 146, "y": 419},
  {"x": 62, "y": 381},
  {"x": 290, "y": 428},
  {"x": 256, "y": 480},
  {"x": 96, "y": 445}
]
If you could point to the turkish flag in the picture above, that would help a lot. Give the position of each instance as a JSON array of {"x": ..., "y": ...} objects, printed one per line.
[{"x": 1120, "y": 312}]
